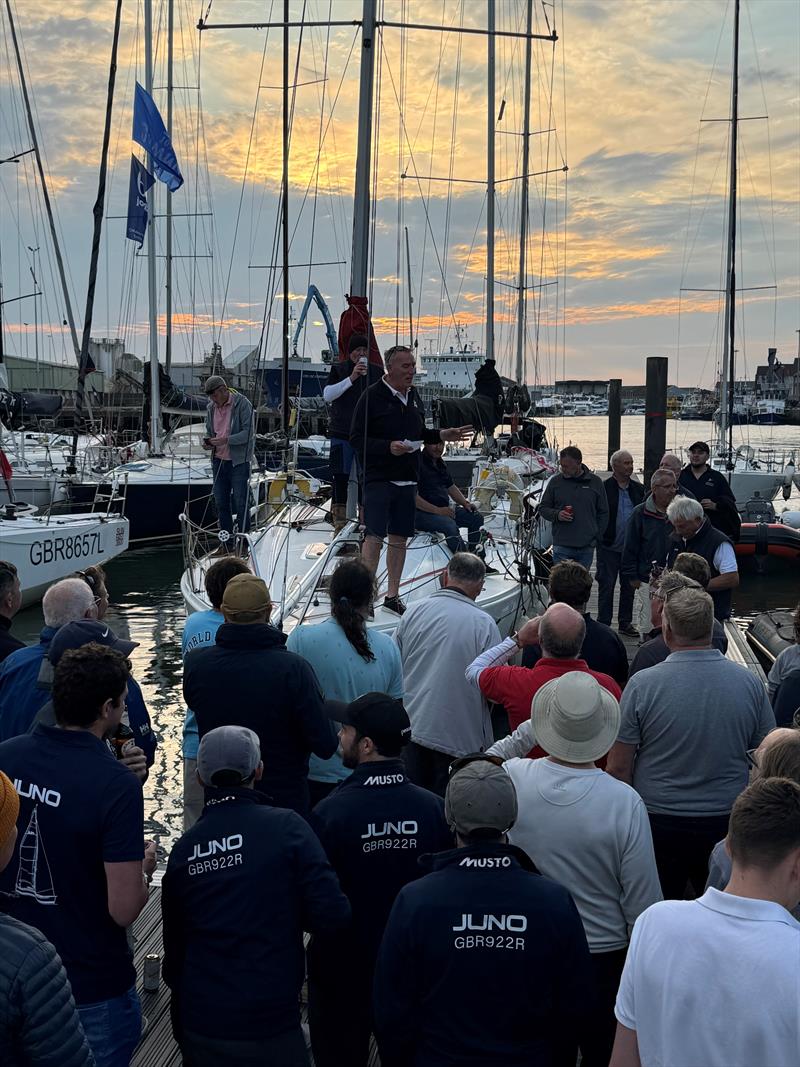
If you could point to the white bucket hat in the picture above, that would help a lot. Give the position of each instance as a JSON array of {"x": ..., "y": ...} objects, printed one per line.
[{"x": 574, "y": 718}]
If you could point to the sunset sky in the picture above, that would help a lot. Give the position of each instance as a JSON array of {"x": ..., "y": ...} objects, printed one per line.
[{"x": 638, "y": 218}]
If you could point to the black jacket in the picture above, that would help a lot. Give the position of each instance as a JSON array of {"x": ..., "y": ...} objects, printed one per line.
[
  {"x": 248, "y": 678},
  {"x": 636, "y": 494},
  {"x": 39, "y": 1023},
  {"x": 8, "y": 643},
  {"x": 340, "y": 411},
  {"x": 240, "y": 887},
  {"x": 655, "y": 650},
  {"x": 713, "y": 485},
  {"x": 483, "y": 961},
  {"x": 602, "y": 649},
  {"x": 705, "y": 543},
  {"x": 385, "y": 418},
  {"x": 647, "y": 541},
  {"x": 374, "y": 826}
]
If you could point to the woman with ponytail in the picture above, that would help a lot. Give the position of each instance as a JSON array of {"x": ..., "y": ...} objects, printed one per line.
[{"x": 348, "y": 658}]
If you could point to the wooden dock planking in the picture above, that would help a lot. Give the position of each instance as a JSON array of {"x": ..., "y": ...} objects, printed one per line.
[{"x": 157, "y": 1047}]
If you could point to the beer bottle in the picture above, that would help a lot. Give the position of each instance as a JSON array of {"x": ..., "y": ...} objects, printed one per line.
[{"x": 123, "y": 740}]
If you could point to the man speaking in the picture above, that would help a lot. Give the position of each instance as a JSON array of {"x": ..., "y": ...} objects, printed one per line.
[{"x": 387, "y": 432}]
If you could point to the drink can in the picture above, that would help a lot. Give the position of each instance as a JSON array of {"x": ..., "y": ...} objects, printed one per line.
[
  {"x": 152, "y": 972},
  {"x": 568, "y": 509}
]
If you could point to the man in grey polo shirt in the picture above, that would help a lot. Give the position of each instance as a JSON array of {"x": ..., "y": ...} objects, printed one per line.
[{"x": 687, "y": 724}]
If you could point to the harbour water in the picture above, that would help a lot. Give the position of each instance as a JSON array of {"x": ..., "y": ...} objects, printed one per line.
[{"x": 146, "y": 604}]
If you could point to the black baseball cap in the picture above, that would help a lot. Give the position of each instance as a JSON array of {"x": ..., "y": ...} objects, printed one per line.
[
  {"x": 374, "y": 715},
  {"x": 84, "y": 632},
  {"x": 699, "y": 446},
  {"x": 358, "y": 340}
]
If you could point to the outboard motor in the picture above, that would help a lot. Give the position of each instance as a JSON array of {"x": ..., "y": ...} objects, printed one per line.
[{"x": 758, "y": 510}]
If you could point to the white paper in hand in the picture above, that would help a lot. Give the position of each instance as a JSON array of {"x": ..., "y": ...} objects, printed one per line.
[{"x": 413, "y": 445}]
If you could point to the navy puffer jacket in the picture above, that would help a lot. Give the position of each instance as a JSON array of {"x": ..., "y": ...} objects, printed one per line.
[{"x": 39, "y": 1023}]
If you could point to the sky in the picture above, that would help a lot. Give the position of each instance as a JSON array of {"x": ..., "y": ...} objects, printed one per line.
[{"x": 625, "y": 249}]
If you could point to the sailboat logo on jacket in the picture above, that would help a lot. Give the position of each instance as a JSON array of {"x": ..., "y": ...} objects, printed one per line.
[{"x": 33, "y": 877}]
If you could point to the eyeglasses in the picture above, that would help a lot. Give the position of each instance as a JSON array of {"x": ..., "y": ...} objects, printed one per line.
[
  {"x": 750, "y": 756},
  {"x": 473, "y": 757}
]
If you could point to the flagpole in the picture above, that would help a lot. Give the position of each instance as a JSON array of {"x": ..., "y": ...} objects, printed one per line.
[
  {"x": 152, "y": 297},
  {"x": 99, "y": 205}
]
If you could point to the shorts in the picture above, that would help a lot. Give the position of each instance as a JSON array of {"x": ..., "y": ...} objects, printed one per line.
[{"x": 389, "y": 508}]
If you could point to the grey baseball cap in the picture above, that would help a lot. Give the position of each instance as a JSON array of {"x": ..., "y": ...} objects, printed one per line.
[
  {"x": 480, "y": 796},
  {"x": 214, "y": 382},
  {"x": 234, "y": 750}
]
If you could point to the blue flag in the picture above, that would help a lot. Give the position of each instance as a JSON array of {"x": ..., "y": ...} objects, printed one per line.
[
  {"x": 149, "y": 131},
  {"x": 141, "y": 180}
]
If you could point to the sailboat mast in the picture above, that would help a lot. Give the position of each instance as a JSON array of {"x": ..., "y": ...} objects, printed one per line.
[
  {"x": 45, "y": 192},
  {"x": 99, "y": 206},
  {"x": 360, "y": 257},
  {"x": 168, "y": 286},
  {"x": 152, "y": 298},
  {"x": 523, "y": 209},
  {"x": 285, "y": 223},
  {"x": 728, "y": 377},
  {"x": 490, "y": 65}
]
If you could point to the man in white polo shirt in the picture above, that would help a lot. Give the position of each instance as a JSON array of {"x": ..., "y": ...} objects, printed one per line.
[{"x": 715, "y": 981}]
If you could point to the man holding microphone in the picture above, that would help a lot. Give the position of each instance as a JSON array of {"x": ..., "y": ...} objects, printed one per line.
[{"x": 387, "y": 432}]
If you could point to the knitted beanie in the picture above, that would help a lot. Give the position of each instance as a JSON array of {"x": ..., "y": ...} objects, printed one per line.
[{"x": 9, "y": 808}]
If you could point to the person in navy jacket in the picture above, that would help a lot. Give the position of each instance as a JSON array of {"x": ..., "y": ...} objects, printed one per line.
[
  {"x": 483, "y": 960},
  {"x": 374, "y": 826},
  {"x": 240, "y": 888},
  {"x": 139, "y": 758}
]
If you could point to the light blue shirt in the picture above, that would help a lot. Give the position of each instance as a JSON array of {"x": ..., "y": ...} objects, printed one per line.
[
  {"x": 344, "y": 675},
  {"x": 200, "y": 630},
  {"x": 624, "y": 511}
]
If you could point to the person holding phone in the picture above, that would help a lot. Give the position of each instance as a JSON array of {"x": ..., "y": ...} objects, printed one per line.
[
  {"x": 230, "y": 435},
  {"x": 347, "y": 380}
]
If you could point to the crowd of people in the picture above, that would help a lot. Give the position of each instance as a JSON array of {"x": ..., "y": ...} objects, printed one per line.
[{"x": 475, "y": 849}]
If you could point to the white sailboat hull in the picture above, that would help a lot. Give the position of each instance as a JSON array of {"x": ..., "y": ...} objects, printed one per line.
[{"x": 46, "y": 549}]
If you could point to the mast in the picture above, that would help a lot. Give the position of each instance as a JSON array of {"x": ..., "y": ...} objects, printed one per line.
[
  {"x": 490, "y": 183},
  {"x": 99, "y": 206},
  {"x": 168, "y": 286},
  {"x": 45, "y": 193},
  {"x": 411, "y": 341},
  {"x": 728, "y": 374},
  {"x": 285, "y": 224},
  {"x": 360, "y": 257},
  {"x": 152, "y": 297},
  {"x": 523, "y": 211}
]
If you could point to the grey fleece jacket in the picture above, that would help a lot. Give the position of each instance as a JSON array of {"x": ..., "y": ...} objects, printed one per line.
[
  {"x": 243, "y": 431},
  {"x": 587, "y": 496}
]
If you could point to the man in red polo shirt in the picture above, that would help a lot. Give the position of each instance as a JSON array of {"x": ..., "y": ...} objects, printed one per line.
[{"x": 560, "y": 632}]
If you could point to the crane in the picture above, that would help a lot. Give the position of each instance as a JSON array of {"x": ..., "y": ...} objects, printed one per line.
[{"x": 316, "y": 297}]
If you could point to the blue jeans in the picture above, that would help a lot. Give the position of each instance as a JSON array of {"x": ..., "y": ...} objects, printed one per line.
[
  {"x": 113, "y": 1028},
  {"x": 581, "y": 555},
  {"x": 451, "y": 528},
  {"x": 232, "y": 482},
  {"x": 608, "y": 564},
  {"x": 341, "y": 461}
]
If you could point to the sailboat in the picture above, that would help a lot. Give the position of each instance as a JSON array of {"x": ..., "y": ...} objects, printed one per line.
[
  {"x": 296, "y": 552},
  {"x": 34, "y": 878},
  {"x": 749, "y": 476},
  {"x": 163, "y": 478}
]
